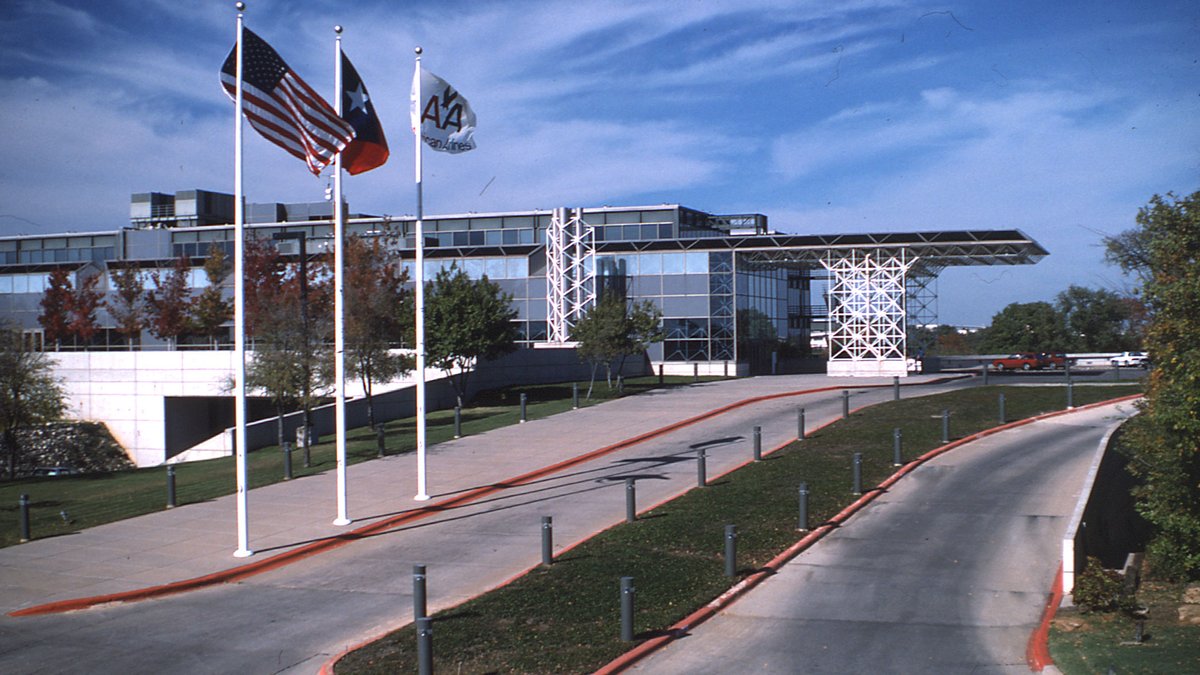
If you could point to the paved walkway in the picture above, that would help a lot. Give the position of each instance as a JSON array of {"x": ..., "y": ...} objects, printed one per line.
[
  {"x": 197, "y": 540},
  {"x": 343, "y": 594}
]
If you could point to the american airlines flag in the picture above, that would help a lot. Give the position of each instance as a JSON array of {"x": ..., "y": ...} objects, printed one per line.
[{"x": 281, "y": 107}]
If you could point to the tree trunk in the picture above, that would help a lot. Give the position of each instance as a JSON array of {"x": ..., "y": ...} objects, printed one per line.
[
  {"x": 10, "y": 442},
  {"x": 592, "y": 381},
  {"x": 307, "y": 418}
]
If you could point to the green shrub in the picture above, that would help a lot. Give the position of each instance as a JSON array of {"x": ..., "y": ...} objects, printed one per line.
[{"x": 1100, "y": 590}]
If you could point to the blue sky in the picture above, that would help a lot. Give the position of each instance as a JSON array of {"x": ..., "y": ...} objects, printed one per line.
[{"x": 1058, "y": 118}]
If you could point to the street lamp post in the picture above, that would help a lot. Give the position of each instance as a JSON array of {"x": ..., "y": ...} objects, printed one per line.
[{"x": 302, "y": 238}]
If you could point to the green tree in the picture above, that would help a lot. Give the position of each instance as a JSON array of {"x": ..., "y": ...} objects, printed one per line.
[
  {"x": 1027, "y": 327},
  {"x": 379, "y": 315},
  {"x": 292, "y": 360},
  {"x": 467, "y": 321},
  {"x": 55, "y": 317},
  {"x": 169, "y": 302},
  {"x": 610, "y": 330},
  {"x": 29, "y": 392},
  {"x": 1164, "y": 253},
  {"x": 276, "y": 367},
  {"x": 127, "y": 307},
  {"x": 1096, "y": 320},
  {"x": 211, "y": 309}
]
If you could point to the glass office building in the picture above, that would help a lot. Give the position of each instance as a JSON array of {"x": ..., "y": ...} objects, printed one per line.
[{"x": 734, "y": 295}]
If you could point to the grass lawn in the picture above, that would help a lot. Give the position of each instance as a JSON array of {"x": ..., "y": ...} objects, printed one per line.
[
  {"x": 95, "y": 499},
  {"x": 565, "y": 618},
  {"x": 1104, "y": 642}
]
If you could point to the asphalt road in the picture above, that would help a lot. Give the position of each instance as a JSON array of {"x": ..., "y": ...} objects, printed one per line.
[
  {"x": 947, "y": 572},
  {"x": 293, "y": 619}
]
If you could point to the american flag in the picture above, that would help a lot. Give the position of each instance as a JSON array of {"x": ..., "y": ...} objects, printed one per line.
[{"x": 281, "y": 107}]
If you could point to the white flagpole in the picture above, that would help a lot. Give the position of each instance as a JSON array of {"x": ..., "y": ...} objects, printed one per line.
[
  {"x": 422, "y": 492},
  {"x": 339, "y": 300},
  {"x": 239, "y": 310}
]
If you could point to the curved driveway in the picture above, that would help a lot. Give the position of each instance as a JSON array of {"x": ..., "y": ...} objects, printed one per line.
[
  {"x": 947, "y": 572},
  {"x": 293, "y": 618}
]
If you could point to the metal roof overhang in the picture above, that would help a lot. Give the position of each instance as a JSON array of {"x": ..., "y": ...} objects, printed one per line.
[
  {"x": 933, "y": 249},
  {"x": 939, "y": 248}
]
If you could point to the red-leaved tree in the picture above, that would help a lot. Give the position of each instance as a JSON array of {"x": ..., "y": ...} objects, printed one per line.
[
  {"x": 170, "y": 301},
  {"x": 55, "y": 318}
]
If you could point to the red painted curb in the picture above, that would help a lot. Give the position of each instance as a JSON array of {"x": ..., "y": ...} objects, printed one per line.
[
  {"x": 1037, "y": 653},
  {"x": 727, "y": 598},
  {"x": 300, "y": 553}
]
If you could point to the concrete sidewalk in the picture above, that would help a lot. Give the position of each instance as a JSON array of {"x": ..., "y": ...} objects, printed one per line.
[
  {"x": 197, "y": 540},
  {"x": 359, "y": 586}
]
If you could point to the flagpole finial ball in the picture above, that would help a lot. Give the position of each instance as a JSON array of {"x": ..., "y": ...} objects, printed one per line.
[
  {"x": 241, "y": 6},
  {"x": 337, "y": 29},
  {"x": 418, "y": 50}
]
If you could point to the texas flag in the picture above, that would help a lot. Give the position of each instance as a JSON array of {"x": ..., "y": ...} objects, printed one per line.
[{"x": 369, "y": 148}]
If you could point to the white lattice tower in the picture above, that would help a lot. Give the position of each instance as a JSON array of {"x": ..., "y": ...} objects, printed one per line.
[
  {"x": 570, "y": 272},
  {"x": 866, "y": 310}
]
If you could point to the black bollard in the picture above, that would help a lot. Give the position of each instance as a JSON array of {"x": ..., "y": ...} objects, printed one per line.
[
  {"x": 895, "y": 387},
  {"x": 845, "y": 403},
  {"x": 945, "y": 426},
  {"x": 858, "y": 473},
  {"x": 524, "y": 400},
  {"x": 803, "y": 508},
  {"x": 574, "y": 396},
  {"x": 985, "y": 374},
  {"x": 380, "y": 440},
  {"x": 287, "y": 460},
  {"x": 23, "y": 509},
  {"x": 425, "y": 646},
  {"x": 701, "y": 468},
  {"x": 1070, "y": 394},
  {"x": 731, "y": 550},
  {"x": 800, "y": 425},
  {"x": 660, "y": 374},
  {"x": 897, "y": 457},
  {"x": 630, "y": 501},
  {"x": 695, "y": 371},
  {"x": 758, "y": 444},
  {"x": 419, "y": 606},
  {"x": 547, "y": 540},
  {"x": 458, "y": 421},
  {"x": 170, "y": 486},
  {"x": 627, "y": 594}
]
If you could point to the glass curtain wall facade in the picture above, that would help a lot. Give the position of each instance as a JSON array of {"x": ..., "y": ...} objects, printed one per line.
[{"x": 714, "y": 308}]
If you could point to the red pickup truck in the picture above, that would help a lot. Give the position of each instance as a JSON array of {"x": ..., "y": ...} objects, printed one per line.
[{"x": 1022, "y": 361}]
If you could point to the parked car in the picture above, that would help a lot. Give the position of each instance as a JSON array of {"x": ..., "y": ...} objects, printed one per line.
[
  {"x": 1054, "y": 360},
  {"x": 1021, "y": 361},
  {"x": 54, "y": 471},
  {"x": 1129, "y": 360}
]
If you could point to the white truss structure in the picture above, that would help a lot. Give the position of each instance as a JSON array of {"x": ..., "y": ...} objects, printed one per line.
[
  {"x": 570, "y": 272},
  {"x": 867, "y": 326}
]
